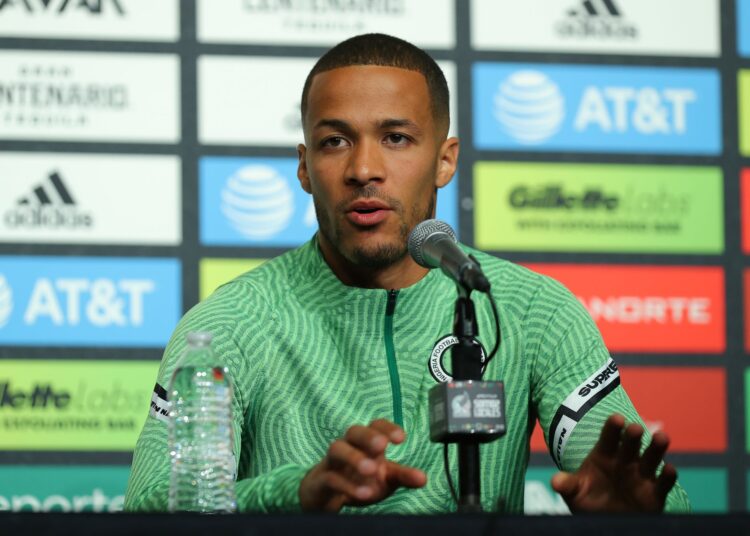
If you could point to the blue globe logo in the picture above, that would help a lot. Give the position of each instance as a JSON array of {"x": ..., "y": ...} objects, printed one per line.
[
  {"x": 257, "y": 201},
  {"x": 6, "y": 301},
  {"x": 529, "y": 107}
]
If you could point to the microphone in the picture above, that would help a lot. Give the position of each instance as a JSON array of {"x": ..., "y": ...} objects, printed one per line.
[{"x": 432, "y": 244}]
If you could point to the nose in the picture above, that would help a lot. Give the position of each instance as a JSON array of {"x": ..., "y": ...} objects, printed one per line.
[{"x": 365, "y": 163}]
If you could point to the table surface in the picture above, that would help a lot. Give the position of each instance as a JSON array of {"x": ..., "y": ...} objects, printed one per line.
[{"x": 356, "y": 525}]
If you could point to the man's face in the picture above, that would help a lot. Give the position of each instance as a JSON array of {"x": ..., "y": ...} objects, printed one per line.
[{"x": 372, "y": 160}]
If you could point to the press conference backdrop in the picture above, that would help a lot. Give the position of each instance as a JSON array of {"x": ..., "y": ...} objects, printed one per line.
[{"x": 148, "y": 155}]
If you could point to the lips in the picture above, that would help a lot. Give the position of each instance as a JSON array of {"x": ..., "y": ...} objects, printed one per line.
[{"x": 367, "y": 212}]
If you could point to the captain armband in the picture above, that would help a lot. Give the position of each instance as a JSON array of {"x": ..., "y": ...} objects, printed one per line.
[{"x": 577, "y": 404}]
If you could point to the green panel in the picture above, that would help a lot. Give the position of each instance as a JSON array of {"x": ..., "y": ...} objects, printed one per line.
[
  {"x": 743, "y": 95},
  {"x": 539, "y": 498},
  {"x": 598, "y": 208},
  {"x": 216, "y": 272},
  {"x": 62, "y": 488},
  {"x": 74, "y": 405},
  {"x": 706, "y": 488}
]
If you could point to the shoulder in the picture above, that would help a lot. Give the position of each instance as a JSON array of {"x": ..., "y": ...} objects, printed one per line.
[{"x": 516, "y": 284}]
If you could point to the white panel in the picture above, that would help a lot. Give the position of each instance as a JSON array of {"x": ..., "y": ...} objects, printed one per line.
[
  {"x": 89, "y": 96},
  {"x": 128, "y": 20},
  {"x": 90, "y": 199},
  {"x": 256, "y": 101},
  {"x": 654, "y": 27},
  {"x": 427, "y": 23}
]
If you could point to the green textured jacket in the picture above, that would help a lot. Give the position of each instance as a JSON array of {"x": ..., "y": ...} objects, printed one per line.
[{"x": 309, "y": 357}]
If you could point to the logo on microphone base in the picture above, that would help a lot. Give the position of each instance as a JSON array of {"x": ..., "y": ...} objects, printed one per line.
[{"x": 435, "y": 362}]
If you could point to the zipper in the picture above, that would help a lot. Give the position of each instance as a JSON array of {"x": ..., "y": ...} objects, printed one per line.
[{"x": 390, "y": 353}]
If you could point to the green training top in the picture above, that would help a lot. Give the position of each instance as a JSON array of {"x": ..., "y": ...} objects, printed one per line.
[{"x": 309, "y": 356}]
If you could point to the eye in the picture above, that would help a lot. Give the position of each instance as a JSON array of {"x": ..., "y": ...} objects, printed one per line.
[
  {"x": 333, "y": 142},
  {"x": 396, "y": 139}
]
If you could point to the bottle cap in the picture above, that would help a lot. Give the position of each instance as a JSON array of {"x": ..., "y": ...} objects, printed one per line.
[{"x": 199, "y": 338}]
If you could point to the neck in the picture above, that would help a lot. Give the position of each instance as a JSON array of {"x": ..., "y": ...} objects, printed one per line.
[{"x": 402, "y": 273}]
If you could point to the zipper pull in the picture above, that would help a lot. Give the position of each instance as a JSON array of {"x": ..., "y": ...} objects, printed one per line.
[{"x": 390, "y": 307}]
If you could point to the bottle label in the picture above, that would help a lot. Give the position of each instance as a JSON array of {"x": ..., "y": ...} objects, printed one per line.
[{"x": 159, "y": 404}]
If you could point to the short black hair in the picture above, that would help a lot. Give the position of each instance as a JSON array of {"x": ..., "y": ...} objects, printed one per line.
[{"x": 386, "y": 51}]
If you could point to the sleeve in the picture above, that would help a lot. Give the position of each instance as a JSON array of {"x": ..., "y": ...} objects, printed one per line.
[
  {"x": 576, "y": 384},
  {"x": 148, "y": 485}
]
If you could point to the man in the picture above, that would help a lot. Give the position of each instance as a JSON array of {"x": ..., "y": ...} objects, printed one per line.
[{"x": 342, "y": 332}]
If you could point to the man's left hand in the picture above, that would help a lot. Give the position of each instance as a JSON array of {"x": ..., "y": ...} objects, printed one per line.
[{"x": 615, "y": 477}]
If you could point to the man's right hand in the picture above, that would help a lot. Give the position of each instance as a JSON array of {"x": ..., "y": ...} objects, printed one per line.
[{"x": 355, "y": 471}]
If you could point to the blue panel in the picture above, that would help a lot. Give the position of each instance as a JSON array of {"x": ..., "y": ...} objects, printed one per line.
[{"x": 537, "y": 107}]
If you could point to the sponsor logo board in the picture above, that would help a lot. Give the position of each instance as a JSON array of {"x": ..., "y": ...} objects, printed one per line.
[
  {"x": 746, "y": 294},
  {"x": 598, "y": 208},
  {"x": 77, "y": 301},
  {"x": 743, "y": 28},
  {"x": 426, "y": 23},
  {"x": 743, "y": 94},
  {"x": 62, "y": 488},
  {"x": 706, "y": 488},
  {"x": 216, "y": 272},
  {"x": 650, "y": 308},
  {"x": 82, "y": 96},
  {"x": 90, "y": 199},
  {"x": 642, "y": 27},
  {"x": 122, "y": 20},
  {"x": 258, "y": 201},
  {"x": 674, "y": 399},
  {"x": 74, "y": 405},
  {"x": 536, "y": 107},
  {"x": 233, "y": 103}
]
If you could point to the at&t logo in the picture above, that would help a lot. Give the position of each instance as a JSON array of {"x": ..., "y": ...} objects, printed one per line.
[
  {"x": 529, "y": 106},
  {"x": 257, "y": 201},
  {"x": 6, "y": 301},
  {"x": 72, "y": 301}
]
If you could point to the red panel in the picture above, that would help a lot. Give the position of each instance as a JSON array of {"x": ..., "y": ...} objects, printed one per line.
[
  {"x": 677, "y": 309},
  {"x": 688, "y": 403},
  {"x": 745, "y": 207}
]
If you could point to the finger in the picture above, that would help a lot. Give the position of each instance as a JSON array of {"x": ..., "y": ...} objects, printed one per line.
[
  {"x": 609, "y": 439},
  {"x": 367, "y": 439},
  {"x": 630, "y": 444},
  {"x": 342, "y": 454},
  {"x": 566, "y": 484},
  {"x": 666, "y": 480},
  {"x": 338, "y": 483},
  {"x": 654, "y": 454},
  {"x": 393, "y": 431},
  {"x": 401, "y": 475}
]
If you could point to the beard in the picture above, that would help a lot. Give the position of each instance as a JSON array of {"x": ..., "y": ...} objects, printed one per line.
[{"x": 377, "y": 255}]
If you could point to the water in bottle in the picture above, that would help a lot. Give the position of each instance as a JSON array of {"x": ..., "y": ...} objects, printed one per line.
[{"x": 200, "y": 432}]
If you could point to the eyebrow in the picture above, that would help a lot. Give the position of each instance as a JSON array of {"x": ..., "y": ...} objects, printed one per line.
[{"x": 339, "y": 124}]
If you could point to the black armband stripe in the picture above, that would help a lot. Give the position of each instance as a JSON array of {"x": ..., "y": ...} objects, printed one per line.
[{"x": 577, "y": 404}]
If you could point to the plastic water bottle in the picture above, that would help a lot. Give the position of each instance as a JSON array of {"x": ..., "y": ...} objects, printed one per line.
[{"x": 200, "y": 432}]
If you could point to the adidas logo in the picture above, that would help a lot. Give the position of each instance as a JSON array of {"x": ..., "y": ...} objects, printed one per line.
[
  {"x": 590, "y": 7},
  {"x": 49, "y": 205},
  {"x": 596, "y": 19}
]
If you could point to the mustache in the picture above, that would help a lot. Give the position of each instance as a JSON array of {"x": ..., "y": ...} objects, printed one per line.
[{"x": 370, "y": 192}]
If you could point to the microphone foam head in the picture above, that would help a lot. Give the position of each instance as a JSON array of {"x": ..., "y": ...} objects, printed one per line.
[{"x": 421, "y": 233}]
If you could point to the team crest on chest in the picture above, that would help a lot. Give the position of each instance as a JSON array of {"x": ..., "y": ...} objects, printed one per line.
[{"x": 439, "y": 352}]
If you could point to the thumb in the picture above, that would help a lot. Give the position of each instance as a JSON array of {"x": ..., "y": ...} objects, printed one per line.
[{"x": 566, "y": 484}]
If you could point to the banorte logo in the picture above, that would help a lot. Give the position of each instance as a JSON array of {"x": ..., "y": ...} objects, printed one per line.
[
  {"x": 529, "y": 106},
  {"x": 257, "y": 201},
  {"x": 6, "y": 301}
]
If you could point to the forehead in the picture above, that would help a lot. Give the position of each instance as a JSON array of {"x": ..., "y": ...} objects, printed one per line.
[{"x": 368, "y": 91}]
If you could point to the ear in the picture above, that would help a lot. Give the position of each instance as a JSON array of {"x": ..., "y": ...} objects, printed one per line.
[
  {"x": 447, "y": 162},
  {"x": 302, "y": 174}
]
